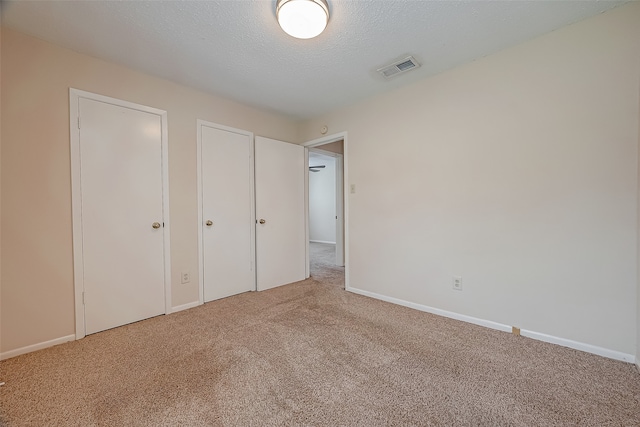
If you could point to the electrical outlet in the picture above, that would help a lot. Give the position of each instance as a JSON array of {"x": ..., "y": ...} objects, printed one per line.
[
  {"x": 185, "y": 277},
  {"x": 457, "y": 283},
  {"x": 353, "y": 189}
]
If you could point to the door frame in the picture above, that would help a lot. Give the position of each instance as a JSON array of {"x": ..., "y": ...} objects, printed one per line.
[
  {"x": 344, "y": 201},
  {"x": 76, "y": 197},
  {"x": 199, "y": 124}
]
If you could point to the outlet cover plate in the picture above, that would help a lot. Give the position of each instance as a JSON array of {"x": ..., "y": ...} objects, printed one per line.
[{"x": 185, "y": 277}]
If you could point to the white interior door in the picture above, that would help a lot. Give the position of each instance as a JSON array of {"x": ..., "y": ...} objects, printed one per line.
[
  {"x": 121, "y": 180},
  {"x": 280, "y": 212},
  {"x": 227, "y": 223}
]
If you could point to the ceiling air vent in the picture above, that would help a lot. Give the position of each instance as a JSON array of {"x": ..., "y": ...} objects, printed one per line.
[{"x": 402, "y": 66}]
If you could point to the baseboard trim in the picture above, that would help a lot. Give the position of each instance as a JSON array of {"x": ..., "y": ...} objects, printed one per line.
[
  {"x": 185, "y": 306},
  {"x": 432, "y": 310},
  {"x": 588, "y": 348},
  {"x": 35, "y": 347},
  {"x": 39, "y": 346},
  {"x": 322, "y": 241}
]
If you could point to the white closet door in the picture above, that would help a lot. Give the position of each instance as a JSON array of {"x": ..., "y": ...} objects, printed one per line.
[
  {"x": 122, "y": 214},
  {"x": 280, "y": 229},
  {"x": 227, "y": 192}
]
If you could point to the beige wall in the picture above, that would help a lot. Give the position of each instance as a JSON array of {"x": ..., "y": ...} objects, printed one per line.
[
  {"x": 37, "y": 281},
  {"x": 517, "y": 172},
  {"x": 0, "y": 179},
  {"x": 334, "y": 147}
]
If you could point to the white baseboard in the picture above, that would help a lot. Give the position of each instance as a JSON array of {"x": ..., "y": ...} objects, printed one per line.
[
  {"x": 588, "y": 348},
  {"x": 185, "y": 306},
  {"x": 34, "y": 347},
  {"x": 39, "y": 346},
  {"x": 322, "y": 241},
  {"x": 432, "y": 310}
]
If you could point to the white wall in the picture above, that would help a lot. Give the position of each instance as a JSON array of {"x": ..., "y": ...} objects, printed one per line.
[
  {"x": 517, "y": 172},
  {"x": 322, "y": 199}
]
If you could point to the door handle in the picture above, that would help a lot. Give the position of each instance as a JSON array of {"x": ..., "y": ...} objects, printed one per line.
[
  {"x": 209, "y": 223},
  {"x": 262, "y": 221},
  {"x": 156, "y": 225}
]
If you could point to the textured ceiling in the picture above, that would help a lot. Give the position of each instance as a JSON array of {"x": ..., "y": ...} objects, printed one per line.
[{"x": 235, "y": 48}]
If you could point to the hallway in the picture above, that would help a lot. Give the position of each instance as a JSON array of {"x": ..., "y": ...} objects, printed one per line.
[{"x": 323, "y": 268}]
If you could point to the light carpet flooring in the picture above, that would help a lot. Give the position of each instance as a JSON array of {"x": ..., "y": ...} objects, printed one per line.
[{"x": 312, "y": 354}]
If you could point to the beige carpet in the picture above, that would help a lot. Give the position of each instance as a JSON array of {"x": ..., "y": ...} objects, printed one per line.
[
  {"x": 322, "y": 264},
  {"x": 312, "y": 354}
]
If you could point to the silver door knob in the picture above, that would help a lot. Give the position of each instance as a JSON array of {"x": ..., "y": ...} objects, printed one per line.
[
  {"x": 209, "y": 223},
  {"x": 262, "y": 221},
  {"x": 156, "y": 225}
]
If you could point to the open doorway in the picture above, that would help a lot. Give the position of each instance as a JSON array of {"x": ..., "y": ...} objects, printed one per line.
[
  {"x": 322, "y": 199},
  {"x": 322, "y": 209},
  {"x": 326, "y": 209}
]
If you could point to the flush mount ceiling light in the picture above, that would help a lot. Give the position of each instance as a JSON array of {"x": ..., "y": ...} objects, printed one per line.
[{"x": 303, "y": 19}]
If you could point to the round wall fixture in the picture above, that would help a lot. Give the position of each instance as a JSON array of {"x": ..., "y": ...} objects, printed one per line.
[
  {"x": 324, "y": 129},
  {"x": 302, "y": 19}
]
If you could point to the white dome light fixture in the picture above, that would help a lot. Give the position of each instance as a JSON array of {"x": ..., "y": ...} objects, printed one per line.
[{"x": 302, "y": 19}]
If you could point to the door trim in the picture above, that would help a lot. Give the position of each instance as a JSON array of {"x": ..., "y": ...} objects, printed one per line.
[
  {"x": 345, "y": 183},
  {"x": 199, "y": 124},
  {"x": 76, "y": 197}
]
